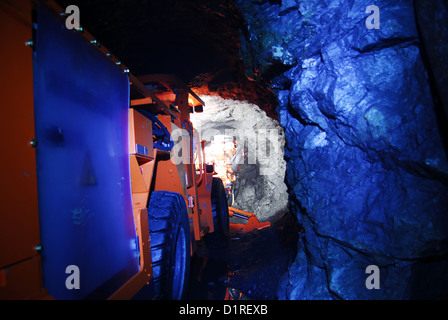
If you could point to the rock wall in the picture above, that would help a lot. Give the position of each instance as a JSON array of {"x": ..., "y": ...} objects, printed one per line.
[{"x": 366, "y": 167}]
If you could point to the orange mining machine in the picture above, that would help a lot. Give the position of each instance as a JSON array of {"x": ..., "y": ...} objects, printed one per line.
[{"x": 106, "y": 191}]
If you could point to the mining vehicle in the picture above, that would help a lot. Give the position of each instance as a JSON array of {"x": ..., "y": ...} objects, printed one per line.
[{"x": 106, "y": 191}]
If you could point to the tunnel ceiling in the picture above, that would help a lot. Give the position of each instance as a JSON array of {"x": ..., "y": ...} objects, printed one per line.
[{"x": 197, "y": 40}]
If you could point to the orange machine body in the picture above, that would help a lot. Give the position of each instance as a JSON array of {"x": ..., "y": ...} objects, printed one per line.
[
  {"x": 20, "y": 264},
  {"x": 187, "y": 176}
]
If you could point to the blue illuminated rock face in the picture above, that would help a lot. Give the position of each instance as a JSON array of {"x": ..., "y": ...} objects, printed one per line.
[{"x": 367, "y": 171}]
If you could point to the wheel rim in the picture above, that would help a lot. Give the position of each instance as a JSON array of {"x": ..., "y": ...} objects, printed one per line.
[{"x": 180, "y": 258}]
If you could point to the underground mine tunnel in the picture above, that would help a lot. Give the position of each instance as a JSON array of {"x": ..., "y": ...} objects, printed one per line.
[{"x": 325, "y": 122}]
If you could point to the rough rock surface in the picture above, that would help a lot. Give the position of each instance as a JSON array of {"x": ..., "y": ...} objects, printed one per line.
[
  {"x": 261, "y": 186},
  {"x": 366, "y": 167}
]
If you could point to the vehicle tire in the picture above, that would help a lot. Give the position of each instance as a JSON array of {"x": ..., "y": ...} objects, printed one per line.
[
  {"x": 169, "y": 231},
  {"x": 220, "y": 209}
]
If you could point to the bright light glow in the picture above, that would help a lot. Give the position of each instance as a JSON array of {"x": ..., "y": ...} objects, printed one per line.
[{"x": 221, "y": 152}]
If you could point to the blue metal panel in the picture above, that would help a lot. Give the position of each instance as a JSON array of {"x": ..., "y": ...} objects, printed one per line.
[{"x": 81, "y": 107}]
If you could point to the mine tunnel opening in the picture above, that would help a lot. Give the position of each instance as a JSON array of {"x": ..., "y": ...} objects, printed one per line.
[{"x": 246, "y": 149}]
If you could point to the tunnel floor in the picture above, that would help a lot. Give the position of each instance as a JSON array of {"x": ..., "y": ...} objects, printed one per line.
[{"x": 245, "y": 267}]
